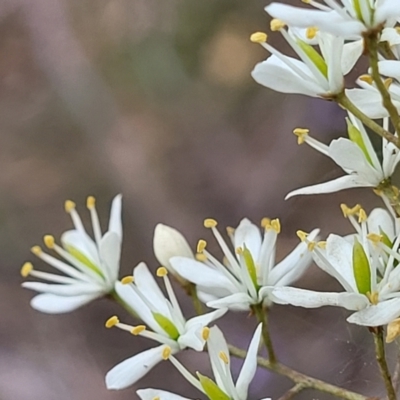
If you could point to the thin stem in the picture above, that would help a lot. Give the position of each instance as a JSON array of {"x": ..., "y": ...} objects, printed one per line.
[
  {"x": 392, "y": 193},
  {"x": 345, "y": 102},
  {"x": 381, "y": 359},
  {"x": 262, "y": 316},
  {"x": 306, "y": 381},
  {"x": 297, "y": 388},
  {"x": 192, "y": 292},
  {"x": 371, "y": 43},
  {"x": 396, "y": 373}
]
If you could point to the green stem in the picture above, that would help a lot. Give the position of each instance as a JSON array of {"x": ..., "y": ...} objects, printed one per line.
[
  {"x": 262, "y": 316},
  {"x": 345, "y": 102},
  {"x": 371, "y": 43},
  {"x": 192, "y": 292},
  {"x": 306, "y": 382},
  {"x": 381, "y": 359}
]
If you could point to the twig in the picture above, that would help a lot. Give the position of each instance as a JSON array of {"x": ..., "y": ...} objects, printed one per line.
[{"x": 292, "y": 392}]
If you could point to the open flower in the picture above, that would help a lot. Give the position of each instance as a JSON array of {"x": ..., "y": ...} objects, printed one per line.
[
  {"x": 90, "y": 268},
  {"x": 356, "y": 156},
  {"x": 163, "y": 316},
  {"x": 364, "y": 264},
  {"x": 247, "y": 275},
  {"x": 349, "y": 19},
  {"x": 223, "y": 387}
]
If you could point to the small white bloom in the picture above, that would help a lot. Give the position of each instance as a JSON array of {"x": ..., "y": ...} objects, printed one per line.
[
  {"x": 163, "y": 316},
  {"x": 316, "y": 75},
  {"x": 349, "y": 19},
  {"x": 247, "y": 275},
  {"x": 223, "y": 388},
  {"x": 91, "y": 266},
  {"x": 356, "y": 156},
  {"x": 364, "y": 265}
]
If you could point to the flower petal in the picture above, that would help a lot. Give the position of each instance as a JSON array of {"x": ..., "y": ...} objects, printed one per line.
[
  {"x": 75, "y": 289},
  {"x": 110, "y": 253},
  {"x": 53, "y": 304},
  {"x": 151, "y": 394},
  {"x": 115, "y": 223},
  {"x": 236, "y": 301},
  {"x": 248, "y": 235},
  {"x": 380, "y": 220}
]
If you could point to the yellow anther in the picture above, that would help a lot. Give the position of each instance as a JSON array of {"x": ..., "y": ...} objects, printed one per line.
[
  {"x": 205, "y": 333},
  {"x": 373, "y": 297},
  {"x": 311, "y": 32},
  {"x": 378, "y": 192},
  {"x": 36, "y": 250},
  {"x": 49, "y": 241},
  {"x": 126, "y": 280},
  {"x": 136, "y": 330},
  {"x": 301, "y": 134},
  {"x": 322, "y": 245},
  {"x": 112, "y": 322},
  {"x": 239, "y": 250},
  {"x": 387, "y": 82},
  {"x": 276, "y": 225},
  {"x": 367, "y": 79},
  {"x": 156, "y": 398},
  {"x": 347, "y": 211},
  {"x": 69, "y": 206},
  {"x": 201, "y": 257},
  {"x": 265, "y": 222},
  {"x": 276, "y": 25},
  {"x": 210, "y": 223},
  {"x": 230, "y": 231},
  {"x": 222, "y": 355},
  {"x": 26, "y": 269},
  {"x": 362, "y": 216},
  {"x": 302, "y": 235},
  {"x": 201, "y": 245},
  {"x": 393, "y": 330},
  {"x": 306, "y": 1},
  {"x": 161, "y": 272},
  {"x": 166, "y": 352},
  {"x": 375, "y": 238},
  {"x": 259, "y": 37},
  {"x": 397, "y": 28},
  {"x": 90, "y": 202},
  {"x": 311, "y": 246}
]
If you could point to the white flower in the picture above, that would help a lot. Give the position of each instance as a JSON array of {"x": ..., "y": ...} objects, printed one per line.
[
  {"x": 223, "y": 388},
  {"x": 91, "y": 266},
  {"x": 163, "y": 316},
  {"x": 167, "y": 243},
  {"x": 317, "y": 75},
  {"x": 349, "y": 19},
  {"x": 364, "y": 264},
  {"x": 356, "y": 156},
  {"x": 247, "y": 275}
]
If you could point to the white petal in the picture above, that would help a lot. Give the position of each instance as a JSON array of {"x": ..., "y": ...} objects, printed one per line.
[
  {"x": 151, "y": 394},
  {"x": 377, "y": 315},
  {"x": 234, "y": 301},
  {"x": 249, "y": 367},
  {"x": 310, "y": 299},
  {"x": 132, "y": 369},
  {"x": 81, "y": 242},
  {"x": 115, "y": 223},
  {"x": 110, "y": 252},
  {"x": 248, "y": 235},
  {"x": 75, "y": 289},
  {"x": 200, "y": 274},
  {"x": 335, "y": 185},
  {"x": 169, "y": 242},
  {"x": 205, "y": 319},
  {"x": 387, "y": 10},
  {"x": 53, "y": 304},
  {"x": 380, "y": 219},
  {"x": 351, "y": 53}
]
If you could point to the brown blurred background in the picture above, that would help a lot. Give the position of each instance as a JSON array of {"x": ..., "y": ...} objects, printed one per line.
[{"x": 154, "y": 99}]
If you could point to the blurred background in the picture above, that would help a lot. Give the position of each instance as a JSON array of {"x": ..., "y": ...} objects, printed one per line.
[{"x": 154, "y": 99}]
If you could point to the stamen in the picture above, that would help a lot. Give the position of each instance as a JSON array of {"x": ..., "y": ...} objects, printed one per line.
[
  {"x": 373, "y": 297},
  {"x": 311, "y": 246},
  {"x": 156, "y": 398},
  {"x": 276, "y": 25},
  {"x": 136, "y": 330},
  {"x": 302, "y": 235},
  {"x": 26, "y": 269},
  {"x": 397, "y": 28},
  {"x": 367, "y": 79},
  {"x": 69, "y": 206},
  {"x": 265, "y": 222},
  {"x": 201, "y": 245},
  {"x": 311, "y": 32},
  {"x": 362, "y": 216},
  {"x": 210, "y": 223},
  {"x": 222, "y": 355},
  {"x": 306, "y": 1},
  {"x": 301, "y": 134},
  {"x": 161, "y": 272},
  {"x": 239, "y": 251},
  {"x": 166, "y": 352},
  {"x": 347, "y": 211},
  {"x": 322, "y": 244},
  {"x": 393, "y": 330},
  {"x": 49, "y": 241},
  {"x": 276, "y": 225},
  {"x": 201, "y": 257},
  {"x": 90, "y": 202},
  {"x": 375, "y": 238},
  {"x": 259, "y": 37},
  {"x": 387, "y": 82},
  {"x": 112, "y": 322},
  {"x": 205, "y": 333},
  {"x": 126, "y": 280},
  {"x": 36, "y": 250},
  {"x": 230, "y": 231}
]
